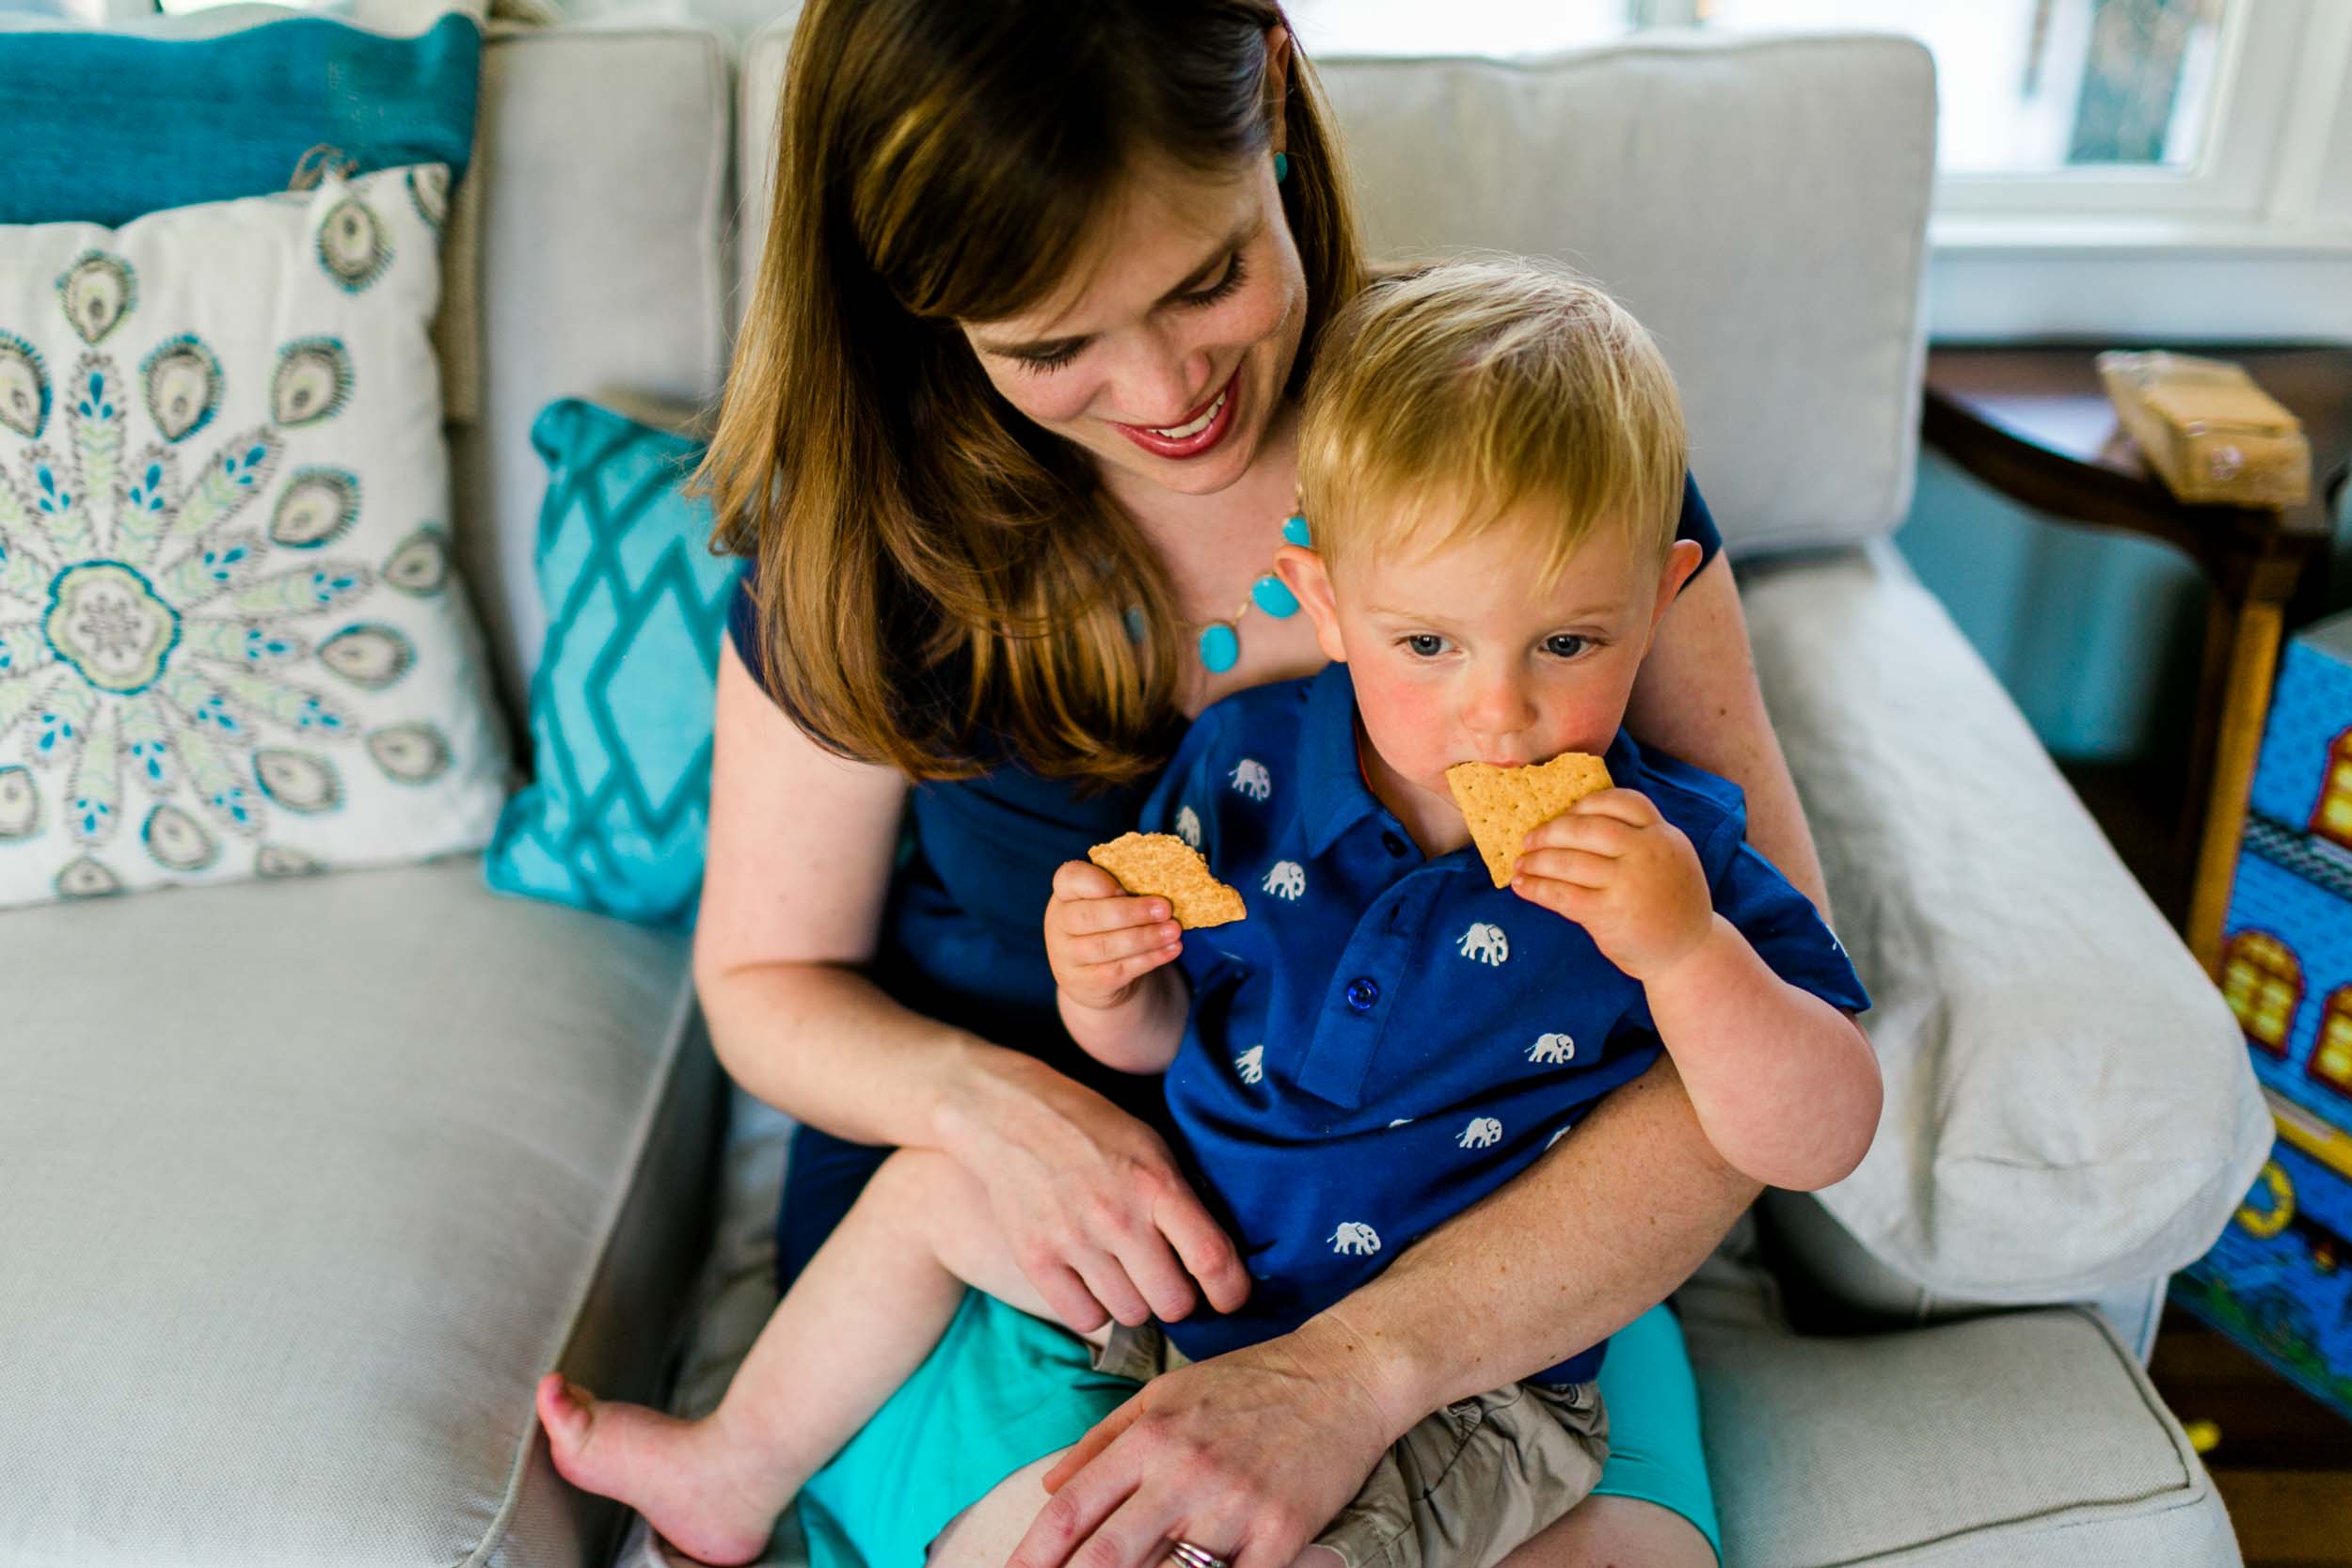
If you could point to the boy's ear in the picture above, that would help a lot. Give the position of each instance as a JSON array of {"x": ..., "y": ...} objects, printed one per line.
[
  {"x": 1681, "y": 560},
  {"x": 1303, "y": 573}
]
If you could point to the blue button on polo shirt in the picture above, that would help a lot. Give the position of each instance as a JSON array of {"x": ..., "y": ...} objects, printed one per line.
[{"x": 1386, "y": 1039}]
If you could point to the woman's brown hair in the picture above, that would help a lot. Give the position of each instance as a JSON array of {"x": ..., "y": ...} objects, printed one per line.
[{"x": 941, "y": 584}]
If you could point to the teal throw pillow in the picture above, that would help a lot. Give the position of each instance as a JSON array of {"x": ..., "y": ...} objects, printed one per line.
[
  {"x": 104, "y": 126},
  {"x": 614, "y": 818}
]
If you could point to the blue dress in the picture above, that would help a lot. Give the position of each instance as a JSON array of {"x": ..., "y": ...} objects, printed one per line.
[{"x": 961, "y": 941}]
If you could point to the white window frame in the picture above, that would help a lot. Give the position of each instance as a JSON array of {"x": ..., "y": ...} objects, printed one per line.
[
  {"x": 2279, "y": 121},
  {"x": 2253, "y": 241}
]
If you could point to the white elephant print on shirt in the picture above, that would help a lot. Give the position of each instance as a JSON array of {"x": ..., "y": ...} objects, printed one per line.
[
  {"x": 1485, "y": 943},
  {"x": 1356, "y": 1239},
  {"x": 1287, "y": 880},
  {"x": 1250, "y": 777},
  {"x": 1482, "y": 1133},
  {"x": 1188, "y": 826},
  {"x": 1250, "y": 1065},
  {"x": 1553, "y": 1050}
]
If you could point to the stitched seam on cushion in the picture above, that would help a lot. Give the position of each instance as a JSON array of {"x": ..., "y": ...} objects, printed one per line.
[
  {"x": 715, "y": 314},
  {"x": 2048, "y": 1522},
  {"x": 2091, "y": 1511},
  {"x": 754, "y": 136},
  {"x": 649, "y": 1117},
  {"x": 1911, "y": 343}
]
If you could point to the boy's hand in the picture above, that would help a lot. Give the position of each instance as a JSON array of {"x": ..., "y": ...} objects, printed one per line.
[
  {"x": 1101, "y": 938},
  {"x": 1616, "y": 868}
]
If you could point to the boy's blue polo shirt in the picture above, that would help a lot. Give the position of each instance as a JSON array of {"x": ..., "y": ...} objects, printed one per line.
[{"x": 1386, "y": 1038}]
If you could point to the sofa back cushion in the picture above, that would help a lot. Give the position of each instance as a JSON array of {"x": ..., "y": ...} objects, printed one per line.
[
  {"x": 605, "y": 212},
  {"x": 1759, "y": 202}
]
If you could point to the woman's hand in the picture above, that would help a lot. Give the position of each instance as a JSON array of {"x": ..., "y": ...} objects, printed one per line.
[
  {"x": 1248, "y": 1455},
  {"x": 1090, "y": 1199}
]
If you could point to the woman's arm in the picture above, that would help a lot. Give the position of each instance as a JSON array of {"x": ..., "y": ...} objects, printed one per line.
[
  {"x": 1696, "y": 699},
  {"x": 1251, "y": 1453},
  {"x": 799, "y": 864}
]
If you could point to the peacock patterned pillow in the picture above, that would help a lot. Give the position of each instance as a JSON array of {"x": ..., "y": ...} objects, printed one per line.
[{"x": 231, "y": 640}]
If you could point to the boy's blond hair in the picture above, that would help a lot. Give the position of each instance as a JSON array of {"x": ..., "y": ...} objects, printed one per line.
[{"x": 1443, "y": 399}]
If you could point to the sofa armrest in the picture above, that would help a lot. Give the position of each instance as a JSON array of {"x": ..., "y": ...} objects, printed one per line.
[{"x": 2069, "y": 1103}]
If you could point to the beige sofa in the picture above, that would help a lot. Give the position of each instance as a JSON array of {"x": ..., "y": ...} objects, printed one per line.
[{"x": 292, "y": 1226}]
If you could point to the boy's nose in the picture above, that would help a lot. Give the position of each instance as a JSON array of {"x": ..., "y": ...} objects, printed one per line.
[{"x": 1498, "y": 707}]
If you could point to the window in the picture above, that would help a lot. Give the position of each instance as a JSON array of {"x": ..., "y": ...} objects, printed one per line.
[
  {"x": 2333, "y": 818},
  {"x": 2033, "y": 86},
  {"x": 2164, "y": 103},
  {"x": 2331, "y": 1053},
  {"x": 2264, "y": 985},
  {"x": 2133, "y": 168}
]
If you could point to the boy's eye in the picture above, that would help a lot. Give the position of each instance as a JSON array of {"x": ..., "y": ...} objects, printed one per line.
[
  {"x": 1566, "y": 645},
  {"x": 1424, "y": 645}
]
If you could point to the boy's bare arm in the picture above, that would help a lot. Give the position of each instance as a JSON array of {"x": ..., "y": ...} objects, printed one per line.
[
  {"x": 1786, "y": 1086},
  {"x": 1111, "y": 954},
  {"x": 1138, "y": 1034}
]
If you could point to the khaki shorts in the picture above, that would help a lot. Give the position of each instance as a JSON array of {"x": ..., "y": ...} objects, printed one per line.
[{"x": 1464, "y": 1486}]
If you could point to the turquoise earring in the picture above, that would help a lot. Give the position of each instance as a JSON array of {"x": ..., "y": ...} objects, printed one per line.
[{"x": 1282, "y": 168}]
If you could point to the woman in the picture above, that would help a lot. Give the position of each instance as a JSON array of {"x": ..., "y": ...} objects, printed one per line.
[{"x": 1008, "y": 436}]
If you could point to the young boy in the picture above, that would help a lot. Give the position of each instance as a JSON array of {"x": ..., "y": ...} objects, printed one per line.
[{"x": 1491, "y": 458}]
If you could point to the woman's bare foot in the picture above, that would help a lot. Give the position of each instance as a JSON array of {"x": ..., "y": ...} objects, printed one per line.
[{"x": 691, "y": 1484}]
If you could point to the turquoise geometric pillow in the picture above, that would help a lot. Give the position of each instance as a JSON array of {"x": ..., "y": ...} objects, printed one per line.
[{"x": 620, "y": 709}]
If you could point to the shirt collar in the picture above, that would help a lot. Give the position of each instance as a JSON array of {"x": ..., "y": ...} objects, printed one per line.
[{"x": 1332, "y": 793}]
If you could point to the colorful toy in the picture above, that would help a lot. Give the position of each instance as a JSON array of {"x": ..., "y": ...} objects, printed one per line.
[
  {"x": 2286, "y": 953},
  {"x": 2277, "y": 1281}
]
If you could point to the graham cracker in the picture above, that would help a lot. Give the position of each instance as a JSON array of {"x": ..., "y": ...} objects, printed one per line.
[
  {"x": 1164, "y": 865},
  {"x": 1502, "y": 805}
]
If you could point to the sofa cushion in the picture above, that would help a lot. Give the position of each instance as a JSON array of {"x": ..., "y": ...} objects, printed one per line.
[
  {"x": 295, "y": 1221},
  {"x": 2069, "y": 1108},
  {"x": 604, "y": 244},
  {"x": 2016, "y": 1439},
  {"x": 614, "y": 817},
  {"x": 106, "y": 125},
  {"x": 230, "y": 638}
]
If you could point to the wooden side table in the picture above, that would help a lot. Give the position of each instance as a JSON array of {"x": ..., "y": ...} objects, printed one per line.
[{"x": 2035, "y": 424}]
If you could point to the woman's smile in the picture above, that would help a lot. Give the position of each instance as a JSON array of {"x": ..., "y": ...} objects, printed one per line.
[{"x": 1195, "y": 436}]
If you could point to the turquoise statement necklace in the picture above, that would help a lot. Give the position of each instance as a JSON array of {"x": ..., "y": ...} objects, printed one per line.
[{"x": 1221, "y": 641}]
